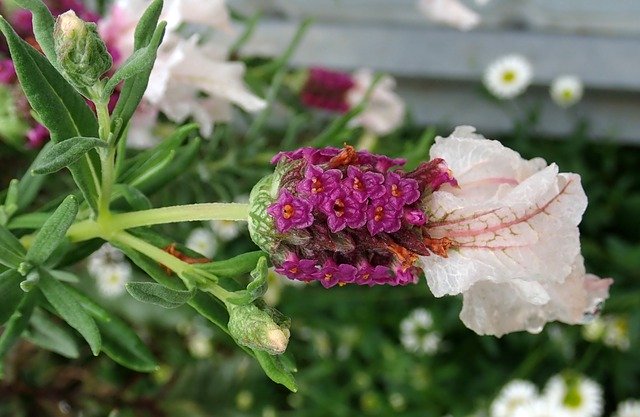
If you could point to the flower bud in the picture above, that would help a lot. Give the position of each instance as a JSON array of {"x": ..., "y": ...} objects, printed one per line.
[
  {"x": 81, "y": 53},
  {"x": 255, "y": 328}
]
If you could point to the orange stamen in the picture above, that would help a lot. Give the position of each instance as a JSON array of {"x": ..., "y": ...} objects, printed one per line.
[
  {"x": 347, "y": 156},
  {"x": 438, "y": 246},
  {"x": 287, "y": 211}
]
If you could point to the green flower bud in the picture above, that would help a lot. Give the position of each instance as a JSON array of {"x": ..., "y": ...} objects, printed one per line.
[
  {"x": 255, "y": 328},
  {"x": 80, "y": 51}
]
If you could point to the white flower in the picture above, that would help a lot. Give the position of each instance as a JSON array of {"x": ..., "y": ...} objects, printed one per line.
[
  {"x": 199, "y": 344},
  {"x": 111, "y": 279},
  {"x": 612, "y": 330},
  {"x": 566, "y": 90},
  {"x": 141, "y": 127},
  {"x": 417, "y": 334},
  {"x": 211, "y": 13},
  {"x": 185, "y": 70},
  {"x": 449, "y": 12},
  {"x": 384, "y": 111},
  {"x": 508, "y": 76},
  {"x": 540, "y": 408},
  {"x": 578, "y": 396},
  {"x": 513, "y": 226},
  {"x": 629, "y": 408},
  {"x": 225, "y": 230},
  {"x": 514, "y": 395},
  {"x": 106, "y": 256},
  {"x": 202, "y": 241}
]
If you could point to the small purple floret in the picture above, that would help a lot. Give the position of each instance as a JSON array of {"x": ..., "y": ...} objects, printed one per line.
[
  {"x": 383, "y": 217},
  {"x": 401, "y": 191},
  {"x": 299, "y": 269},
  {"x": 415, "y": 216},
  {"x": 290, "y": 212},
  {"x": 343, "y": 210},
  {"x": 317, "y": 184},
  {"x": 331, "y": 273},
  {"x": 364, "y": 185},
  {"x": 370, "y": 275}
]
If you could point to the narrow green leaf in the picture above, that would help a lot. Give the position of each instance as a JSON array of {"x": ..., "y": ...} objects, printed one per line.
[
  {"x": 65, "y": 276},
  {"x": 137, "y": 174},
  {"x": 43, "y": 24},
  {"x": 134, "y": 197},
  {"x": 61, "y": 109},
  {"x": 275, "y": 369},
  {"x": 135, "y": 64},
  {"x": 65, "y": 153},
  {"x": 152, "y": 293},
  {"x": 147, "y": 25},
  {"x": 124, "y": 346},
  {"x": 50, "y": 336},
  {"x": 11, "y": 250},
  {"x": 68, "y": 307},
  {"x": 233, "y": 267},
  {"x": 10, "y": 294},
  {"x": 134, "y": 87},
  {"x": 53, "y": 231},
  {"x": 16, "y": 324},
  {"x": 30, "y": 184}
]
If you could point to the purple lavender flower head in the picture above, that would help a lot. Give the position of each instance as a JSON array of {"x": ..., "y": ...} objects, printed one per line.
[{"x": 344, "y": 217}]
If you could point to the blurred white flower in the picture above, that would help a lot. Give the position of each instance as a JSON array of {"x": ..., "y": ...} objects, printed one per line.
[
  {"x": 106, "y": 256},
  {"x": 384, "y": 112},
  {"x": 417, "y": 334},
  {"x": 512, "y": 396},
  {"x": 576, "y": 395},
  {"x": 185, "y": 71},
  {"x": 226, "y": 230},
  {"x": 613, "y": 331},
  {"x": 566, "y": 90},
  {"x": 111, "y": 279},
  {"x": 199, "y": 344},
  {"x": 508, "y": 76},
  {"x": 212, "y": 13},
  {"x": 449, "y": 12},
  {"x": 202, "y": 241},
  {"x": 513, "y": 228},
  {"x": 140, "y": 134},
  {"x": 540, "y": 408},
  {"x": 629, "y": 408}
]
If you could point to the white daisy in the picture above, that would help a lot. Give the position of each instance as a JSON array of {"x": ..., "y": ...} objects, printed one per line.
[
  {"x": 508, "y": 76},
  {"x": 594, "y": 330},
  {"x": 540, "y": 408},
  {"x": 111, "y": 279},
  {"x": 566, "y": 90},
  {"x": 226, "y": 230},
  {"x": 616, "y": 333},
  {"x": 417, "y": 334},
  {"x": 512, "y": 396},
  {"x": 578, "y": 396},
  {"x": 202, "y": 241},
  {"x": 629, "y": 408}
]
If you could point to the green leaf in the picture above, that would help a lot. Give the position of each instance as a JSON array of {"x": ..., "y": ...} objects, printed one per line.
[
  {"x": 183, "y": 160},
  {"x": 43, "y": 24},
  {"x": 275, "y": 369},
  {"x": 134, "y": 87},
  {"x": 30, "y": 184},
  {"x": 139, "y": 61},
  {"x": 11, "y": 250},
  {"x": 139, "y": 173},
  {"x": 119, "y": 341},
  {"x": 60, "y": 108},
  {"x": 68, "y": 307},
  {"x": 233, "y": 267},
  {"x": 134, "y": 197},
  {"x": 53, "y": 232},
  {"x": 50, "y": 336},
  {"x": 256, "y": 288},
  {"x": 10, "y": 294},
  {"x": 16, "y": 325},
  {"x": 152, "y": 293},
  {"x": 65, "y": 153}
]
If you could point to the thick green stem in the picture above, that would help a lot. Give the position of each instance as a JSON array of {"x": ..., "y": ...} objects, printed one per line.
[
  {"x": 107, "y": 156},
  {"x": 89, "y": 229}
]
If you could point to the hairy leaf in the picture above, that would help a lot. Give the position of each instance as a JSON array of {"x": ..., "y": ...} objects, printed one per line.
[
  {"x": 157, "y": 294},
  {"x": 65, "y": 153},
  {"x": 53, "y": 231}
]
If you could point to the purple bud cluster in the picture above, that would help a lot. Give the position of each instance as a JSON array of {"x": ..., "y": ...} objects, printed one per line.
[
  {"x": 346, "y": 216},
  {"x": 327, "y": 90}
]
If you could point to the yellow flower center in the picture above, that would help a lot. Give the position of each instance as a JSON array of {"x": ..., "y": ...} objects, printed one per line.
[{"x": 509, "y": 76}]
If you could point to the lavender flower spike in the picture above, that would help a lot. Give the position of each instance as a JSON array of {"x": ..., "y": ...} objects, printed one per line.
[{"x": 291, "y": 212}]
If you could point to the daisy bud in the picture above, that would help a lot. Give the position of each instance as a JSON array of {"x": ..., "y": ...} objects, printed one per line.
[
  {"x": 256, "y": 329},
  {"x": 80, "y": 51}
]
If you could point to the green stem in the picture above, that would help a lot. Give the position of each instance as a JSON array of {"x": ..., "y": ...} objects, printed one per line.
[
  {"x": 89, "y": 229},
  {"x": 107, "y": 157}
]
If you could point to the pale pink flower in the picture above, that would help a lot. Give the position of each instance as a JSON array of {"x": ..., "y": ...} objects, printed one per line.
[
  {"x": 188, "y": 69},
  {"x": 513, "y": 224},
  {"x": 384, "y": 111},
  {"x": 449, "y": 12}
]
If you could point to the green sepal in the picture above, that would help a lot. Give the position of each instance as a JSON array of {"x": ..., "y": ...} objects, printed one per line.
[
  {"x": 53, "y": 232},
  {"x": 65, "y": 153},
  {"x": 158, "y": 294},
  {"x": 70, "y": 310},
  {"x": 256, "y": 288}
]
